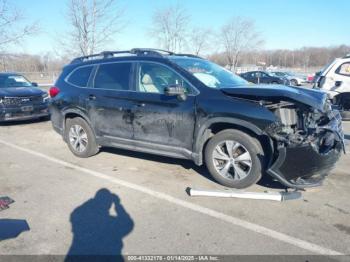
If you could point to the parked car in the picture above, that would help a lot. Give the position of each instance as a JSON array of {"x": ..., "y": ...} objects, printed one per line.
[
  {"x": 20, "y": 99},
  {"x": 261, "y": 77},
  {"x": 294, "y": 79},
  {"x": 311, "y": 78},
  {"x": 335, "y": 80},
  {"x": 183, "y": 106}
]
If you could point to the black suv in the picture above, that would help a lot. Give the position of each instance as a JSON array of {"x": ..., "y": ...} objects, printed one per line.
[
  {"x": 184, "y": 106},
  {"x": 21, "y": 99}
]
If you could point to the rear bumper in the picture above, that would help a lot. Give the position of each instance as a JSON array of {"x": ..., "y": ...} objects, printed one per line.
[
  {"x": 302, "y": 167},
  {"x": 16, "y": 113},
  {"x": 57, "y": 119}
]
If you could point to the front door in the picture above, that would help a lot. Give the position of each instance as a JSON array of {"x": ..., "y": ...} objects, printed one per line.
[{"x": 158, "y": 118}]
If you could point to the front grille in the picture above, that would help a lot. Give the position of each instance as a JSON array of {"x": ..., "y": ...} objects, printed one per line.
[{"x": 19, "y": 101}]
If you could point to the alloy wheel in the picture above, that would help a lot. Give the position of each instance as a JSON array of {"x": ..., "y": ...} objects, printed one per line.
[
  {"x": 78, "y": 138},
  {"x": 232, "y": 160}
]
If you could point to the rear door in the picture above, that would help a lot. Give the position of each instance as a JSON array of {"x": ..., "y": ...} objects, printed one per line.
[
  {"x": 161, "y": 119},
  {"x": 108, "y": 102}
]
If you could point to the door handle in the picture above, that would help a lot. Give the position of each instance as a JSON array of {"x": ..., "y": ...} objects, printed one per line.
[
  {"x": 141, "y": 105},
  {"x": 92, "y": 97}
]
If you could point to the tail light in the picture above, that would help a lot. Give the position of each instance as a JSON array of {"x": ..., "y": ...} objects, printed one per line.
[{"x": 54, "y": 91}]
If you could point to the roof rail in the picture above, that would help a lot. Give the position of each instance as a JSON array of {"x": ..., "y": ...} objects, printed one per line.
[
  {"x": 150, "y": 51},
  {"x": 158, "y": 52},
  {"x": 135, "y": 51},
  {"x": 189, "y": 55},
  {"x": 102, "y": 55}
]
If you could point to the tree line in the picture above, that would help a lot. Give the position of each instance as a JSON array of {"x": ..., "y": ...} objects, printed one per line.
[
  {"x": 306, "y": 57},
  {"x": 93, "y": 23}
]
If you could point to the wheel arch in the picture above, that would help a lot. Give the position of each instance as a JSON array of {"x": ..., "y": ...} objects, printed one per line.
[
  {"x": 343, "y": 99},
  {"x": 295, "y": 80},
  {"x": 213, "y": 126},
  {"x": 73, "y": 113}
]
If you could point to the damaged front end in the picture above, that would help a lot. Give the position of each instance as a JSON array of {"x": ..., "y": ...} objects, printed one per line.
[{"x": 308, "y": 142}]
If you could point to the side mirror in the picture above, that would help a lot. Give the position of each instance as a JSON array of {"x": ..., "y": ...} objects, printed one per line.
[
  {"x": 35, "y": 84},
  {"x": 176, "y": 90}
]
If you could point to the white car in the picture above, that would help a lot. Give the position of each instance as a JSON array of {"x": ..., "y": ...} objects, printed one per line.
[{"x": 335, "y": 80}]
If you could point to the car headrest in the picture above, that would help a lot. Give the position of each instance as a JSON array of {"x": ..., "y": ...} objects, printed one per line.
[{"x": 147, "y": 80}]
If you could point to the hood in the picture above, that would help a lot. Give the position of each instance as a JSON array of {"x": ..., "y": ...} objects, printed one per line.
[
  {"x": 21, "y": 91},
  {"x": 310, "y": 97}
]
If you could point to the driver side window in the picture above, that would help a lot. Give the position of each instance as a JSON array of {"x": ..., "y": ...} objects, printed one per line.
[{"x": 154, "y": 78}]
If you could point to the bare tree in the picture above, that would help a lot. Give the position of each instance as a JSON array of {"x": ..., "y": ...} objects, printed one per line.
[
  {"x": 12, "y": 27},
  {"x": 170, "y": 27},
  {"x": 93, "y": 24},
  {"x": 199, "y": 40},
  {"x": 238, "y": 36}
]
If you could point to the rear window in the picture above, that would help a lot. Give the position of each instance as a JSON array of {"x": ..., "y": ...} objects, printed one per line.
[
  {"x": 114, "y": 76},
  {"x": 80, "y": 77},
  {"x": 344, "y": 69}
]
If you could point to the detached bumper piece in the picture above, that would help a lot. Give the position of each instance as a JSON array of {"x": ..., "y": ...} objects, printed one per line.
[
  {"x": 274, "y": 196},
  {"x": 302, "y": 167}
]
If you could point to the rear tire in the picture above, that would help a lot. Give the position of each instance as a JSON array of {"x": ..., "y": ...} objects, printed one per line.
[
  {"x": 246, "y": 159},
  {"x": 294, "y": 82},
  {"x": 80, "y": 138}
]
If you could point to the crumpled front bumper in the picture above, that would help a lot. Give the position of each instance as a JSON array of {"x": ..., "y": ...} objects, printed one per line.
[{"x": 303, "y": 166}]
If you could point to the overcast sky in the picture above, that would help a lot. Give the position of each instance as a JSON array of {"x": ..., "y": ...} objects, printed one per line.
[{"x": 282, "y": 23}]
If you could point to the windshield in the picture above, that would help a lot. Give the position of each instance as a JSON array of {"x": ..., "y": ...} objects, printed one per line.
[
  {"x": 210, "y": 74},
  {"x": 9, "y": 81}
]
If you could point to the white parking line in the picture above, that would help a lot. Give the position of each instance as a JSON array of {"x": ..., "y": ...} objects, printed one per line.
[{"x": 203, "y": 210}]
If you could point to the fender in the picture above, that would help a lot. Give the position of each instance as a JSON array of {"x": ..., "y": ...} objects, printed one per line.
[
  {"x": 77, "y": 111},
  {"x": 202, "y": 133}
]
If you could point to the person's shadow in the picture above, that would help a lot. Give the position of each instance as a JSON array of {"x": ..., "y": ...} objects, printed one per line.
[{"x": 96, "y": 232}]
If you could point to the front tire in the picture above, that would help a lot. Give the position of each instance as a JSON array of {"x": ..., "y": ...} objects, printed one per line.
[
  {"x": 234, "y": 159},
  {"x": 80, "y": 138}
]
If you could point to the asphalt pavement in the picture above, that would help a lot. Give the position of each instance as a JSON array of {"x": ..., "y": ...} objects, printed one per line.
[{"x": 132, "y": 203}]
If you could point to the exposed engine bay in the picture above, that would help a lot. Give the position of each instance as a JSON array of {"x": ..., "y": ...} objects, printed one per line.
[
  {"x": 305, "y": 132},
  {"x": 300, "y": 124}
]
